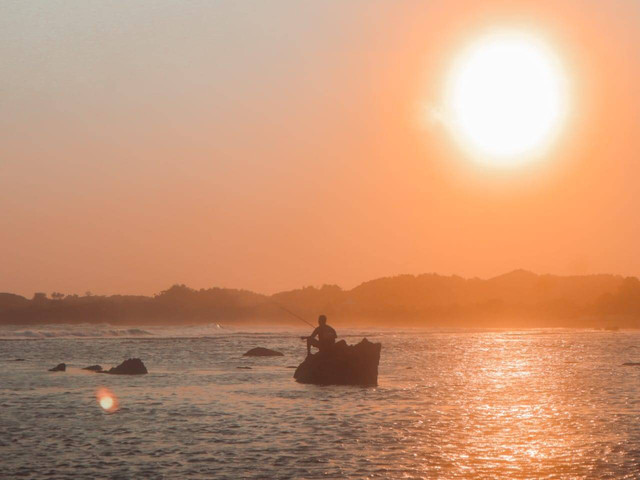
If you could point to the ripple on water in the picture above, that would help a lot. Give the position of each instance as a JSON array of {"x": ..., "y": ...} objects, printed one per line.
[{"x": 525, "y": 404}]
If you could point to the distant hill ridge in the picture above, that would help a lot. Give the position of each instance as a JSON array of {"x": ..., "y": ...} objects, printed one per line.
[{"x": 517, "y": 298}]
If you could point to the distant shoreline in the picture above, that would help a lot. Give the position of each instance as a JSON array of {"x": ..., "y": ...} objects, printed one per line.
[{"x": 518, "y": 299}]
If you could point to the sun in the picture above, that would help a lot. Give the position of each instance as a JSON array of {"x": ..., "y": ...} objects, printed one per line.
[{"x": 506, "y": 98}]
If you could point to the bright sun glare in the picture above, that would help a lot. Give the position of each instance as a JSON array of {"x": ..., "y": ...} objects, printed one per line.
[{"x": 506, "y": 98}]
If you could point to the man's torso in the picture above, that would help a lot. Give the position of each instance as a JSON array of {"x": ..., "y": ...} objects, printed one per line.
[{"x": 326, "y": 335}]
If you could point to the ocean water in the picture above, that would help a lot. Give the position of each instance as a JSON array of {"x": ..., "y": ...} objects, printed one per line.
[{"x": 449, "y": 404}]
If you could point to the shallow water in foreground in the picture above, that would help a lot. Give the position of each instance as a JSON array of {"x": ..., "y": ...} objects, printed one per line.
[{"x": 450, "y": 404}]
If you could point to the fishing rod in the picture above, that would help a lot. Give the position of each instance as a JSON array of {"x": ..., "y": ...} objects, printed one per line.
[{"x": 295, "y": 315}]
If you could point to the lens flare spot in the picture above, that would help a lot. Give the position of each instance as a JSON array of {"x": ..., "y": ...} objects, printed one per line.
[{"x": 107, "y": 400}]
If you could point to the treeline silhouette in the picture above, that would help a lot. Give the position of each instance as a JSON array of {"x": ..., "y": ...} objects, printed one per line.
[{"x": 519, "y": 298}]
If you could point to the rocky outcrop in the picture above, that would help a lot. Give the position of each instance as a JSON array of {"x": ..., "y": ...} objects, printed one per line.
[
  {"x": 132, "y": 366},
  {"x": 262, "y": 352},
  {"x": 94, "y": 368},
  {"x": 61, "y": 367},
  {"x": 342, "y": 365}
]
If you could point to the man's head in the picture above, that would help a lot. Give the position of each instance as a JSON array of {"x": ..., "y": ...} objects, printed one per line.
[{"x": 322, "y": 320}]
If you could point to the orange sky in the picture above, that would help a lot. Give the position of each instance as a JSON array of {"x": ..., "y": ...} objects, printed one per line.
[{"x": 270, "y": 145}]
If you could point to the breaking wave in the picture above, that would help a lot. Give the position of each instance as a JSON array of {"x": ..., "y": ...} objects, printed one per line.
[
  {"x": 72, "y": 331},
  {"x": 14, "y": 332}
]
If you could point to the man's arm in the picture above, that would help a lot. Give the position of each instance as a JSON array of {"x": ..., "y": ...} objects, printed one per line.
[{"x": 315, "y": 333}]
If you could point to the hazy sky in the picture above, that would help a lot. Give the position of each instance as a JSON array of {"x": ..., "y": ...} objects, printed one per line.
[{"x": 270, "y": 145}]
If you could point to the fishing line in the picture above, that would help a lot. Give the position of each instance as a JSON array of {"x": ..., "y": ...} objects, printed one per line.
[{"x": 295, "y": 315}]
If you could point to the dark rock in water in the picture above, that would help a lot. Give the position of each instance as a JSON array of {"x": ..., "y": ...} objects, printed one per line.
[
  {"x": 94, "y": 368},
  {"x": 61, "y": 367},
  {"x": 342, "y": 365},
  {"x": 132, "y": 366},
  {"x": 631, "y": 364},
  {"x": 262, "y": 352},
  {"x": 244, "y": 368},
  {"x": 19, "y": 360}
]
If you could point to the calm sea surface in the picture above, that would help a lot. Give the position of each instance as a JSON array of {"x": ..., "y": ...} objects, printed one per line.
[{"x": 450, "y": 404}]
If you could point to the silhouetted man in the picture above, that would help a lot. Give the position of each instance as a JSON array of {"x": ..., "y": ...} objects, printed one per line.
[{"x": 326, "y": 336}]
